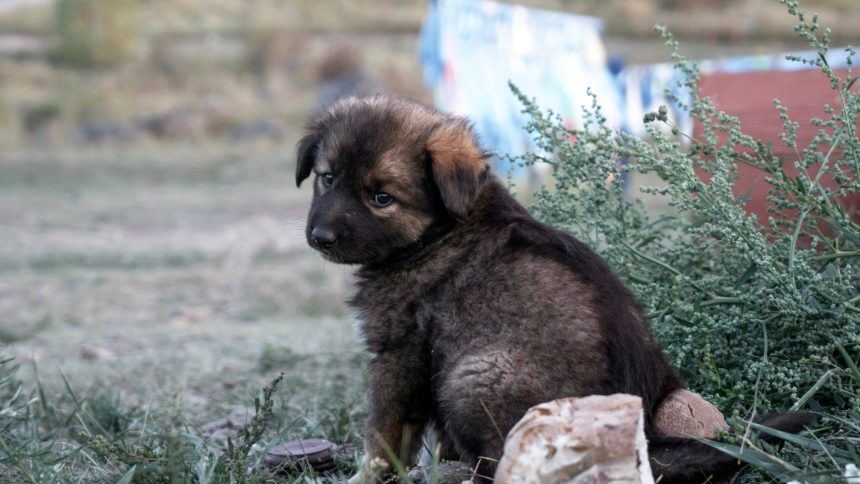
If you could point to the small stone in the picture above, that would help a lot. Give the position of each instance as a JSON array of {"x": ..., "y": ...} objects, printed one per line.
[
  {"x": 190, "y": 315},
  {"x": 448, "y": 472},
  {"x": 222, "y": 435},
  {"x": 240, "y": 416},
  {"x": 687, "y": 414},
  {"x": 92, "y": 352},
  {"x": 221, "y": 423}
]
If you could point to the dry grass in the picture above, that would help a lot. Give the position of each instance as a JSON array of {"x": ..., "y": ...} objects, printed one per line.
[
  {"x": 161, "y": 275},
  {"x": 166, "y": 285}
]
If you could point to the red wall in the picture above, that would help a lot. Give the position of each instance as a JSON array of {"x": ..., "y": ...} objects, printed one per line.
[{"x": 749, "y": 96}]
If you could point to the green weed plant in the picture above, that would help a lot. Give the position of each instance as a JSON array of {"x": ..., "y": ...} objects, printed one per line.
[{"x": 757, "y": 316}]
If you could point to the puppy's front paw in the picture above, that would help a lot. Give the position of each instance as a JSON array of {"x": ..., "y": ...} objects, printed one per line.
[{"x": 373, "y": 470}]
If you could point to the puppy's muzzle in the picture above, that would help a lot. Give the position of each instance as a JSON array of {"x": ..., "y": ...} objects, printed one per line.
[{"x": 324, "y": 237}]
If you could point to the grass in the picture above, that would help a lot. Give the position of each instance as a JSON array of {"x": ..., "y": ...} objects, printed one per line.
[
  {"x": 101, "y": 438},
  {"x": 147, "y": 292},
  {"x": 827, "y": 453}
]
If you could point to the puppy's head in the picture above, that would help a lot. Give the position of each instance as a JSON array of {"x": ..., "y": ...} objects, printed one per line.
[{"x": 385, "y": 171}]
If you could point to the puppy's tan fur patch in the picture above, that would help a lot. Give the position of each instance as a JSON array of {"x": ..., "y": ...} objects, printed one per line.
[
  {"x": 455, "y": 152},
  {"x": 458, "y": 165}
]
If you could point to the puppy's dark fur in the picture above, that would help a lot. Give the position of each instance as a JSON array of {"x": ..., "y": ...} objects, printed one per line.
[{"x": 473, "y": 310}]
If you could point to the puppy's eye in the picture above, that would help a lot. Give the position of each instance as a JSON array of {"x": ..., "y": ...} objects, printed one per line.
[
  {"x": 327, "y": 179},
  {"x": 382, "y": 199}
]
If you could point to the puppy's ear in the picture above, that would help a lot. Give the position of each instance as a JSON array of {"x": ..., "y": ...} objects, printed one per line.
[
  {"x": 306, "y": 153},
  {"x": 458, "y": 165}
]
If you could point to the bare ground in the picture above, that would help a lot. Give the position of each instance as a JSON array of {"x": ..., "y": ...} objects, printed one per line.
[{"x": 163, "y": 277}]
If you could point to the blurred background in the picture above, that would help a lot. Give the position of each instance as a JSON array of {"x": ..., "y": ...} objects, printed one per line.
[{"x": 151, "y": 235}]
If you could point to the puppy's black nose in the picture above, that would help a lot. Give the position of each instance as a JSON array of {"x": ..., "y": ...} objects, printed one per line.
[{"x": 324, "y": 237}]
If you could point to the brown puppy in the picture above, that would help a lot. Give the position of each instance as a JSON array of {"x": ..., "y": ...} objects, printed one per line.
[{"x": 473, "y": 310}]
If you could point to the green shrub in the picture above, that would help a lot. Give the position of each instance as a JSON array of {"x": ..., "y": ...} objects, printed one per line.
[
  {"x": 750, "y": 315},
  {"x": 756, "y": 317},
  {"x": 96, "y": 33}
]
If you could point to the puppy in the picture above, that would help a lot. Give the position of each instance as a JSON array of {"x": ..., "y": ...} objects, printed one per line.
[{"x": 473, "y": 311}]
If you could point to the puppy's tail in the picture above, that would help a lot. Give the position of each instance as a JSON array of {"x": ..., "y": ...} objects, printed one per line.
[{"x": 680, "y": 460}]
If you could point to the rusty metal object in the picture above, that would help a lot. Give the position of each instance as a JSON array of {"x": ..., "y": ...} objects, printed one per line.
[{"x": 296, "y": 454}]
